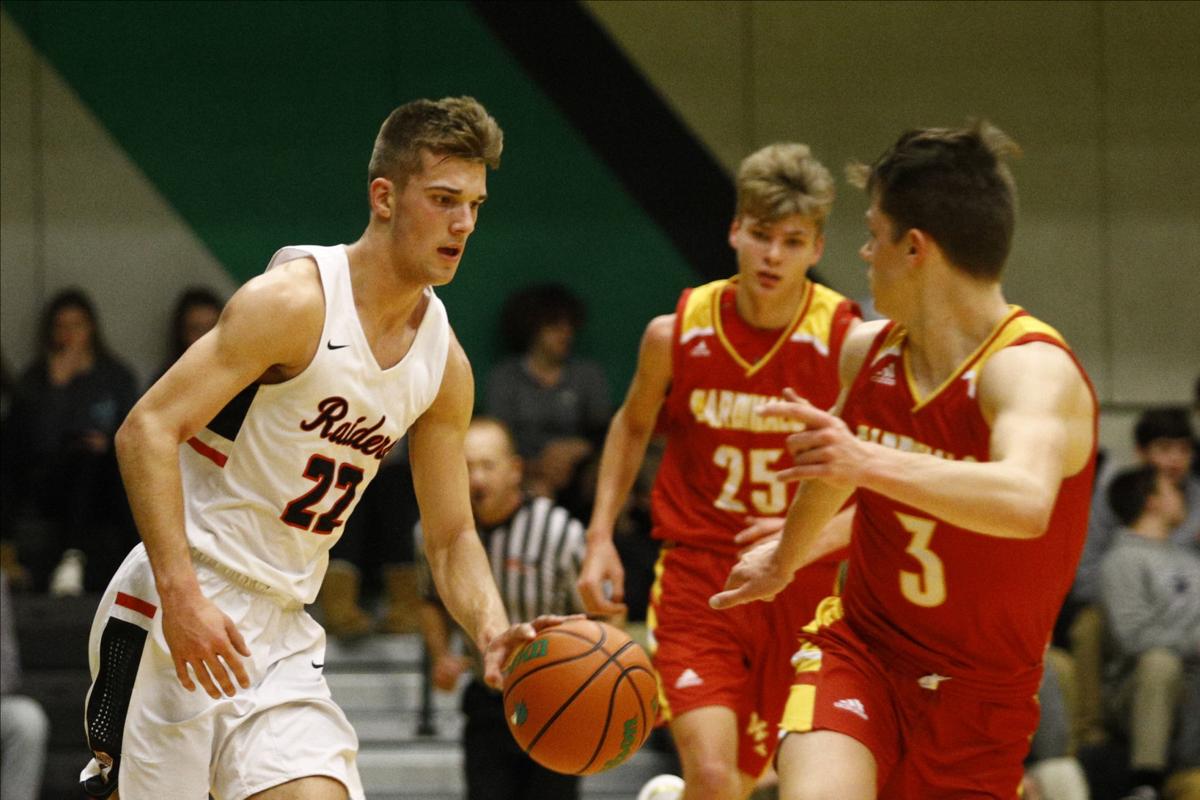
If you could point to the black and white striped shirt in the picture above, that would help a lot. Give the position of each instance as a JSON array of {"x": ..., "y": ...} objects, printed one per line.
[{"x": 535, "y": 558}]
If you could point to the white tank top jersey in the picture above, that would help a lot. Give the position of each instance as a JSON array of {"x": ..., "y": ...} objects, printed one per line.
[{"x": 270, "y": 481}]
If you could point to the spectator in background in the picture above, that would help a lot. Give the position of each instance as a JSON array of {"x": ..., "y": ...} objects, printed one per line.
[
  {"x": 1150, "y": 591},
  {"x": 196, "y": 312},
  {"x": 557, "y": 406},
  {"x": 68, "y": 502},
  {"x": 1163, "y": 439},
  {"x": 23, "y": 724},
  {"x": 540, "y": 581}
]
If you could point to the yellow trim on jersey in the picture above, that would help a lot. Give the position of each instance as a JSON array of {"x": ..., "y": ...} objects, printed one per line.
[
  {"x": 786, "y": 334},
  {"x": 1013, "y": 326},
  {"x": 652, "y": 626},
  {"x": 798, "y": 712},
  {"x": 813, "y": 318},
  {"x": 828, "y": 612}
]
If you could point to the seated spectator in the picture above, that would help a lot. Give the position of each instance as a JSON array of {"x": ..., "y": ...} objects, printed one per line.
[
  {"x": 540, "y": 581},
  {"x": 557, "y": 406},
  {"x": 196, "y": 312},
  {"x": 24, "y": 728},
  {"x": 1163, "y": 440},
  {"x": 1150, "y": 591},
  {"x": 68, "y": 501}
]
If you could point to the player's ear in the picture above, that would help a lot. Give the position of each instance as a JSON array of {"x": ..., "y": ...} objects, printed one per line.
[
  {"x": 381, "y": 195},
  {"x": 734, "y": 228},
  {"x": 917, "y": 244}
]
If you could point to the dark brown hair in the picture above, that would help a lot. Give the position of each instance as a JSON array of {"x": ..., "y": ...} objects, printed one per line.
[{"x": 953, "y": 185}]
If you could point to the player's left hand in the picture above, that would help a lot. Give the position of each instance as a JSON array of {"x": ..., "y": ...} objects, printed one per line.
[
  {"x": 756, "y": 576},
  {"x": 503, "y": 646}
]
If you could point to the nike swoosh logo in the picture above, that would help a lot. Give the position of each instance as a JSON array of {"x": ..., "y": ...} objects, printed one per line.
[
  {"x": 317, "y": 666},
  {"x": 333, "y": 346}
]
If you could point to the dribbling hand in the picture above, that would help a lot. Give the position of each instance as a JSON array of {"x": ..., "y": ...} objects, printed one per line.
[
  {"x": 501, "y": 648},
  {"x": 199, "y": 635}
]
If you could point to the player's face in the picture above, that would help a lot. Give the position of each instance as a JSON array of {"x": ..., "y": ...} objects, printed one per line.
[
  {"x": 434, "y": 215},
  {"x": 885, "y": 257},
  {"x": 774, "y": 257},
  {"x": 494, "y": 471}
]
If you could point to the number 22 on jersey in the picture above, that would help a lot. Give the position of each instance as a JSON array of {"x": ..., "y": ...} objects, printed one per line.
[
  {"x": 325, "y": 472},
  {"x": 770, "y": 499}
]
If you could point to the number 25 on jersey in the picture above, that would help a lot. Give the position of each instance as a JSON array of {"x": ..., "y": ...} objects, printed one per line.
[
  {"x": 326, "y": 473},
  {"x": 769, "y": 499}
]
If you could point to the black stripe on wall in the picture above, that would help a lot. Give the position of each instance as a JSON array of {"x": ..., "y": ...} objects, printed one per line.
[{"x": 656, "y": 157}]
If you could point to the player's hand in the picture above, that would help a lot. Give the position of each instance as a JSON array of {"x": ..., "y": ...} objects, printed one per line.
[
  {"x": 825, "y": 449},
  {"x": 758, "y": 529},
  {"x": 501, "y": 648},
  {"x": 602, "y": 573},
  {"x": 199, "y": 635},
  {"x": 446, "y": 671},
  {"x": 756, "y": 576}
]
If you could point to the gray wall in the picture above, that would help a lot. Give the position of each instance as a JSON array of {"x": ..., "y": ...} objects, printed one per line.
[{"x": 1102, "y": 96}]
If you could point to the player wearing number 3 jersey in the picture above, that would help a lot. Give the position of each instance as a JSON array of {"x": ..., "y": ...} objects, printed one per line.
[
  {"x": 702, "y": 373},
  {"x": 968, "y": 432},
  {"x": 242, "y": 464}
]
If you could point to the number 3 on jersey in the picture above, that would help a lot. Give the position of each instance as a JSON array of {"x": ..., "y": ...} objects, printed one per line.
[
  {"x": 928, "y": 587},
  {"x": 323, "y": 470},
  {"x": 769, "y": 501}
]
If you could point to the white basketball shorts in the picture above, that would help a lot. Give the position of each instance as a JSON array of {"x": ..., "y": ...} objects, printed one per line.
[{"x": 155, "y": 739}]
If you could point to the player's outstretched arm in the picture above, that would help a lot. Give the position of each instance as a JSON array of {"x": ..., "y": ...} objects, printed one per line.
[
  {"x": 1042, "y": 416},
  {"x": 244, "y": 345},
  {"x": 624, "y": 448}
]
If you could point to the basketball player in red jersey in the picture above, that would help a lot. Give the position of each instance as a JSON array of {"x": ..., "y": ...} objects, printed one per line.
[
  {"x": 968, "y": 429},
  {"x": 702, "y": 371}
]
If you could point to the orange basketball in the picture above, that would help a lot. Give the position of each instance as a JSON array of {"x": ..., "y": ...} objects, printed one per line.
[{"x": 581, "y": 697}]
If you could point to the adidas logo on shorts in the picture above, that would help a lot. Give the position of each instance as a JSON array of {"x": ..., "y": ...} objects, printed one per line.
[
  {"x": 688, "y": 678},
  {"x": 853, "y": 705}
]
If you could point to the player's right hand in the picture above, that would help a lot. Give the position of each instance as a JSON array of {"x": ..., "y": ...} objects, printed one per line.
[
  {"x": 601, "y": 581},
  {"x": 201, "y": 636}
]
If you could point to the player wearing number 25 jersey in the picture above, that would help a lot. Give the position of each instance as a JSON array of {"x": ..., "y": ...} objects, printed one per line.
[
  {"x": 730, "y": 346},
  {"x": 718, "y": 469}
]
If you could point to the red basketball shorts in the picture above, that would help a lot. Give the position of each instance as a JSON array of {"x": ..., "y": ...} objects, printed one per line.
[
  {"x": 739, "y": 658},
  {"x": 931, "y": 740}
]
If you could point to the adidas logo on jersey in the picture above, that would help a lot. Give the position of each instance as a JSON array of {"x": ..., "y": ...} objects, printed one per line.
[
  {"x": 701, "y": 349},
  {"x": 853, "y": 705},
  {"x": 688, "y": 679},
  {"x": 885, "y": 375}
]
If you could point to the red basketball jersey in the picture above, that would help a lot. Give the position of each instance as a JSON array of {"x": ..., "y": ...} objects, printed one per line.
[
  {"x": 721, "y": 456},
  {"x": 975, "y": 608}
]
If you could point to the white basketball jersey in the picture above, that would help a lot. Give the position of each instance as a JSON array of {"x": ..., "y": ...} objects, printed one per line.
[{"x": 269, "y": 483}]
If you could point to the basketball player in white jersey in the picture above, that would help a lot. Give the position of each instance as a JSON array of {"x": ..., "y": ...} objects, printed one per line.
[{"x": 242, "y": 464}]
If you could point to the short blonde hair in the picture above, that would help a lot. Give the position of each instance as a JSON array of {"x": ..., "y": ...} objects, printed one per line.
[
  {"x": 458, "y": 127},
  {"x": 783, "y": 179}
]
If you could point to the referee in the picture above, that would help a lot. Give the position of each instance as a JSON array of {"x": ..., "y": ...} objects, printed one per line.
[{"x": 535, "y": 549}]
